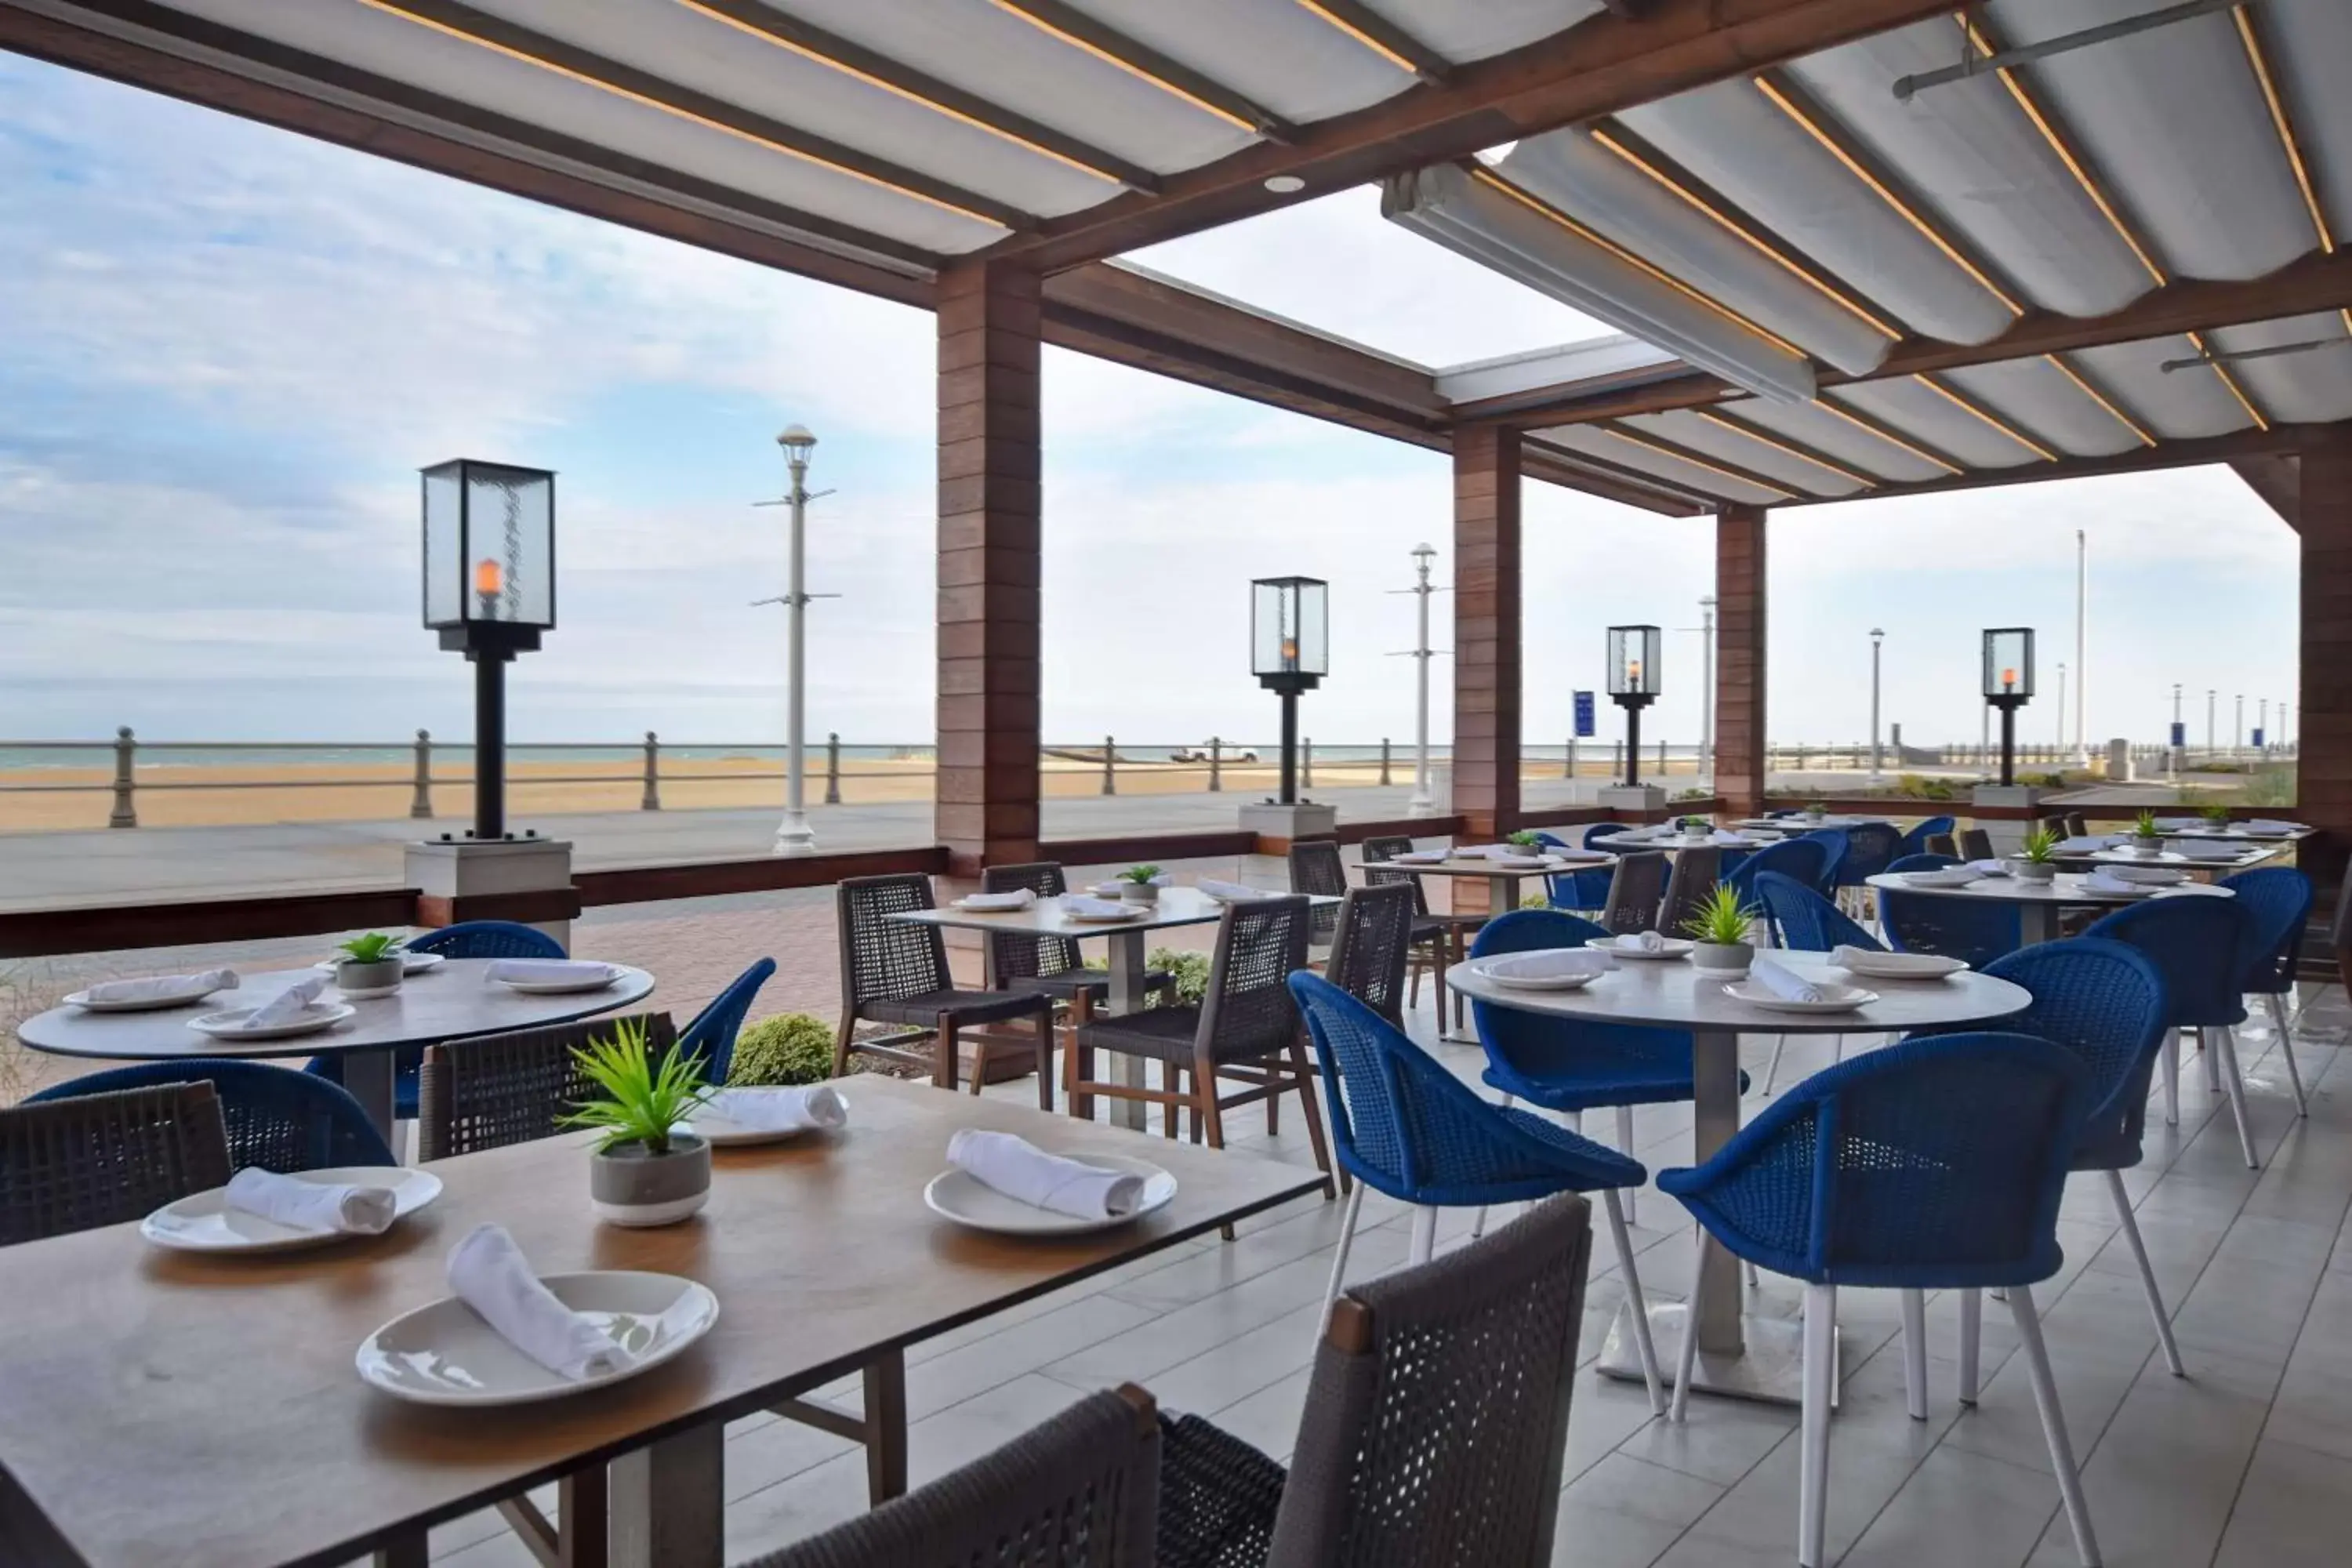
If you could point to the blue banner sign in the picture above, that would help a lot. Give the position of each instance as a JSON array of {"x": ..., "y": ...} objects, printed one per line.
[{"x": 1583, "y": 715}]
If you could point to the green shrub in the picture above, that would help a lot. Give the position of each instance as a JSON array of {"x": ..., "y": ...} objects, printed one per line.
[
  {"x": 2270, "y": 785},
  {"x": 1190, "y": 970},
  {"x": 791, "y": 1047}
]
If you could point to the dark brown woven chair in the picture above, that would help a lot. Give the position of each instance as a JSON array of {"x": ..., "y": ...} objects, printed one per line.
[
  {"x": 1080, "y": 1492},
  {"x": 1976, "y": 844},
  {"x": 1246, "y": 1028},
  {"x": 1941, "y": 843},
  {"x": 1436, "y": 1424},
  {"x": 1692, "y": 879},
  {"x": 2077, "y": 826},
  {"x": 499, "y": 1090},
  {"x": 1369, "y": 949},
  {"x": 1437, "y": 940},
  {"x": 1315, "y": 868},
  {"x": 102, "y": 1159},
  {"x": 1049, "y": 965},
  {"x": 895, "y": 972},
  {"x": 1634, "y": 889}
]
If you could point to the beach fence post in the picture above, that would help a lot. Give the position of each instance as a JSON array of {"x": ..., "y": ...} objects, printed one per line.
[
  {"x": 832, "y": 768},
  {"x": 1616, "y": 759},
  {"x": 1110, "y": 762},
  {"x": 1662, "y": 759},
  {"x": 1306, "y": 763},
  {"x": 1216, "y": 755},
  {"x": 651, "y": 801},
  {"x": 126, "y": 812},
  {"x": 1384, "y": 759},
  {"x": 420, "y": 797},
  {"x": 1568, "y": 766}
]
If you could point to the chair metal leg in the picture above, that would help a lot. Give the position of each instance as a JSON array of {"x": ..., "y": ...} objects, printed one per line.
[
  {"x": 1479, "y": 1222},
  {"x": 1813, "y": 1473},
  {"x": 1424, "y": 1234},
  {"x": 2147, "y": 1275},
  {"x": 2213, "y": 1063},
  {"x": 1687, "y": 1357},
  {"x": 1971, "y": 1343},
  {"x": 2286, "y": 1048},
  {"x": 1914, "y": 1353},
  {"x": 2227, "y": 1042},
  {"x": 1636, "y": 1307},
  {"x": 2170, "y": 1068},
  {"x": 2053, "y": 1423},
  {"x": 1625, "y": 1147},
  {"x": 1339, "y": 1259},
  {"x": 1755, "y": 1282}
]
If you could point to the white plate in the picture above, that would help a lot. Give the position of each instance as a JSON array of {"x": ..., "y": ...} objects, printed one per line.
[
  {"x": 972, "y": 908},
  {"x": 203, "y": 1222},
  {"x": 720, "y": 1133},
  {"x": 231, "y": 1026},
  {"x": 187, "y": 997},
  {"x": 562, "y": 987},
  {"x": 1675, "y": 947},
  {"x": 1583, "y": 856},
  {"x": 1947, "y": 879},
  {"x": 1528, "y": 971},
  {"x": 446, "y": 1354},
  {"x": 410, "y": 962},
  {"x": 1421, "y": 857},
  {"x": 965, "y": 1199},
  {"x": 1904, "y": 965},
  {"x": 1134, "y": 913},
  {"x": 1841, "y": 999},
  {"x": 2148, "y": 876}
]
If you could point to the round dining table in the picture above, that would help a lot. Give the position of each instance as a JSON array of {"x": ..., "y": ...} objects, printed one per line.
[
  {"x": 455, "y": 1000},
  {"x": 2038, "y": 903},
  {"x": 1741, "y": 1355}
]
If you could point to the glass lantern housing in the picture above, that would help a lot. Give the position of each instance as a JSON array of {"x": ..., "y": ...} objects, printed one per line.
[
  {"x": 1290, "y": 629},
  {"x": 1634, "y": 662},
  {"x": 490, "y": 548},
  {"x": 2009, "y": 664}
]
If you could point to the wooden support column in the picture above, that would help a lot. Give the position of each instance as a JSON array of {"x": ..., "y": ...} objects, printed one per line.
[
  {"x": 1486, "y": 635},
  {"x": 1739, "y": 660},
  {"x": 2324, "y": 732},
  {"x": 986, "y": 808}
]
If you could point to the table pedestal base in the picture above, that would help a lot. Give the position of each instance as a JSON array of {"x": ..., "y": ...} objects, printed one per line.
[{"x": 1771, "y": 1370}]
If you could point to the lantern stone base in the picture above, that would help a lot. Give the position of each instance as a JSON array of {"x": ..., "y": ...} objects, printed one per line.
[
  {"x": 1632, "y": 797},
  {"x": 528, "y": 878},
  {"x": 2027, "y": 795},
  {"x": 1270, "y": 819}
]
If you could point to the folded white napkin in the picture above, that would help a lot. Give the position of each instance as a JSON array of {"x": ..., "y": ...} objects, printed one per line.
[
  {"x": 1018, "y": 899},
  {"x": 1642, "y": 942},
  {"x": 311, "y": 1205},
  {"x": 1079, "y": 904},
  {"x": 288, "y": 1004},
  {"x": 1422, "y": 858},
  {"x": 1472, "y": 851},
  {"x": 489, "y": 1273},
  {"x": 1784, "y": 983},
  {"x": 2086, "y": 843},
  {"x": 152, "y": 987},
  {"x": 1019, "y": 1168},
  {"x": 1515, "y": 862},
  {"x": 2103, "y": 880},
  {"x": 783, "y": 1109},
  {"x": 1231, "y": 892},
  {"x": 1925, "y": 965},
  {"x": 2270, "y": 827},
  {"x": 2145, "y": 875},
  {"x": 1943, "y": 876},
  {"x": 1990, "y": 867},
  {"x": 2207, "y": 849},
  {"x": 1723, "y": 835},
  {"x": 545, "y": 971},
  {"x": 1556, "y": 963}
]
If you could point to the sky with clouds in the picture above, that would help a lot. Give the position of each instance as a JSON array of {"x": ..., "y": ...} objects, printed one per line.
[{"x": 228, "y": 349}]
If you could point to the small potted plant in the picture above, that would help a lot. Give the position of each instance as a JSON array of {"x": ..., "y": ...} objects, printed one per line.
[
  {"x": 1817, "y": 812},
  {"x": 2036, "y": 859},
  {"x": 1528, "y": 840},
  {"x": 1718, "y": 932},
  {"x": 643, "y": 1171},
  {"x": 371, "y": 966},
  {"x": 1139, "y": 885},
  {"x": 2216, "y": 814},
  {"x": 2147, "y": 838}
]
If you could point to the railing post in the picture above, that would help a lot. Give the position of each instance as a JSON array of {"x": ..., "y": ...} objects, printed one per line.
[
  {"x": 1384, "y": 759},
  {"x": 1216, "y": 761},
  {"x": 126, "y": 812},
  {"x": 1569, "y": 771},
  {"x": 420, "y": 800},
  {"x": 1306, "y": 763},
  {"x": 832, "y": 768},
  {"x": 1616, "y": 759},
  {"x": 651, "y": 801},
  {"x": 1662, "y": 759},
  {"x": 1110, "y": 765}
]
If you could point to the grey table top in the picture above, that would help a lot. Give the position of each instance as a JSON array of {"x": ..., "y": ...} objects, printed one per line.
[
  {"x": 452, "y": 1002},
  {"x": 1479, "y": 866},
  {"x": 1177, "y": 907},
  {"x": 2066, "y": 888},
  {"x": 1676, "y": 994}
]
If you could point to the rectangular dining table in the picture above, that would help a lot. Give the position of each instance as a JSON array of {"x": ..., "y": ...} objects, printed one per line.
[{"x": 167, "y": 1410}]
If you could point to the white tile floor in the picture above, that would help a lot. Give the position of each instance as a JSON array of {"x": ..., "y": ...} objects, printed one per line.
[{"x": 2247, "y": 1463}]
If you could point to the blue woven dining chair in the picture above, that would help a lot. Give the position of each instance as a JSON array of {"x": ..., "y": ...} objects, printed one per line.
[
  {"x": 2196, "y": 943},
  {"x": 1587, "y": 888},
  {"x": 2275, "y": 901},
  {"x": 1799, "y": 859},
  {"x": 1834, "y": 847},
  {"x": 2106, "y": 1003},
  {"x": 1934, "y": 1164},
  {"x": 1405, "y": 1126},
  {"x": 275, "y": 1117},
  {"x": 1915, "y": 841},
  {"x": 1976, "y": 931},
  {"x": 711, "y": 1034},
  {"x": 1870, "y": 849},
  {"x": 1803, "y": 920},
  {"x": 1566, "y": 1065}
]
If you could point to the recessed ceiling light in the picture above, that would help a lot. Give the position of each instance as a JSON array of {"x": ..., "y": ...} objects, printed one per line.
[{"x": 1283, "y": 184}]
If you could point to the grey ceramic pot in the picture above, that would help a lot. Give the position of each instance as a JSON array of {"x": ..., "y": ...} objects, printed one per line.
[
  {"x": 2026, "y": 870},
  {"x": 1139, "y": 893},
  {"x": 630, "y": 1188},
  {"x": 381, "y": 978},
  {"x": 1723, "y": 958}
]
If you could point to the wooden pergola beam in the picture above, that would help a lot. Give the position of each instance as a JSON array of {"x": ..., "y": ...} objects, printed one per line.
[
  {"x": 2277, "y": 477},
  {"x": 2140, "y": 459},
  {"x": 1598, "y": 67}
]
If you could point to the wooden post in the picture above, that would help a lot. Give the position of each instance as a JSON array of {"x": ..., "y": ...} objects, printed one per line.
[
  {"x": 989, "y": 545},
  {"x": 126, "y": 809},
  {"x": 832, "y": 769},
  {"x": 420, "y": 800},
  {"x": 1739, "y": 660},
  {"x": 1306, "y": 763},
  {"x": 1216, "y": 761},
  {"x": 1485, "y": 639},
  {"x": 652, "y": 799},
  {"x": 1384, "y": 759},
  {"x": 2323, "y": 732}
]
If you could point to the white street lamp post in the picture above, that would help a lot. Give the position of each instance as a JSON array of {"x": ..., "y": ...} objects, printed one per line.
[
  {"x": 1877, "y": 758},
  {"x": 1424, "y": 802},
  {"x": 2210, "y": 694},
  {"x": 2238, "y": 730},
  {"x": 2061, "y": 705},
  {"x": 793, "y": 836},
  {"x": 2172, "y": 754},
  {"x": 1707, "y": 690},
  {"x": 2082, "y": 674}
]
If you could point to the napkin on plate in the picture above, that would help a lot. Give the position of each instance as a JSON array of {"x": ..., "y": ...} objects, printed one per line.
[
  {"x": 1990, "y": 867},
  {"x": 1018, "y": 899},
  {"x": 2145, "y": 875},
  {"x": 2086, "y": 843},
  {"x": 1020, "y": 1170},
  {"x": 489, "y": 1273},
  {"x": 545, "y": 971},
  {"x": 1784, "y": 983},
  {"x": 1723, "y": 835},
  {"x": 1515, "y": 862},
  {"x": 288, "y": 1004},
  {"x": 1642, "y": 942},
  {"x": 1555, "y": 963},
  {"x": 1422, "y": 858},
  {"x": 1926, "y": 965},
  {"x": 152, "y": 987},
  {"x": 1231, "y": 892},
  {"x": 2105, "y": 880},
  {"x": 2207, "y": 849},
  {"x": 311, "y": 1205},
  {"x": 1944, "y": 877},
  {"x": 1079, "y": 904},
  {"x": 782, "y": 1110},
  {"x": 2265, "y": 824}
]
